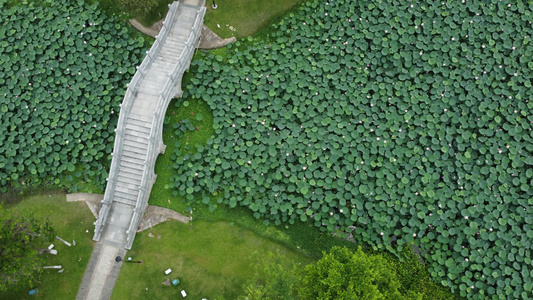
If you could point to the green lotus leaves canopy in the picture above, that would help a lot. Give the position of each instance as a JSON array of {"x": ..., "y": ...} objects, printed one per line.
[
  {"x": 392, "y": 120},
  {"x": 65, "y": 66}
]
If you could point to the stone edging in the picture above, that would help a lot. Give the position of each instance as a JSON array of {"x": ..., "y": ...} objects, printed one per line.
[
  {"x": 154, "y": 214},
  {"x": 208, "y": 39},
  {"x": 93, "y": 201}
]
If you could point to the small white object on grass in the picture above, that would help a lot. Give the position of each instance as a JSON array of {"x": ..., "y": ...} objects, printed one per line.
[
  {"x": 73, "y": 243},
  {"x": 52, "y": 267},
  {"x": 53, "y": 252},
  {"x": 64, "y": 242},
  {"x": 51, "y": 247},
  {"x": 218, "y": 25},
  {"x": 61, "y": 271},
  {"x": 86, "y": 231},
  {"x": 168, "y": 271},
  {"x": 183, "y": 293}
]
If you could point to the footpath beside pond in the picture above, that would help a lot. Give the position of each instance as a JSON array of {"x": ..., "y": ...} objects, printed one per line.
[{"x": 103, "y": 269}]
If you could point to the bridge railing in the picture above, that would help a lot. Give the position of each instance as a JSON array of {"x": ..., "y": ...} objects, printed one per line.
[
  {"x": 165, "y": 97},
  {"x": 156, "y": 46},
  {"x": 125, "y": 109}
]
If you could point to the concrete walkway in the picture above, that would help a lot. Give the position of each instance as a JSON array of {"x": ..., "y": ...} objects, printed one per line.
[
  {"x": 93, "y": 201},
  {"x": 210, "y": 40},
  {"x": 138, "y": 142},
  {"x": 154, "y": 214},
  {"x": 102, "y": 270},
  {"x": 152, "y": 31},
  {"x": 101, "y": 273}
]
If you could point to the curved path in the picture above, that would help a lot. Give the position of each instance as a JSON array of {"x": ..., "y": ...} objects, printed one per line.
[{"x": 138, "y": 142}]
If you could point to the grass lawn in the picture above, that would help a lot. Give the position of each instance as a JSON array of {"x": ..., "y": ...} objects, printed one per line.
[
  {"x": 211, "y": 259},
  {"x": 246, "y": 17},
  {"x": 158, "y": 13},
  {"x": 70, "y": 221}
]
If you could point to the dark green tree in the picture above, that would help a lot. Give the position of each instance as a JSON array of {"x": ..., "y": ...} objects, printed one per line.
[
  {"x": 344, "y": 274},
  {"x": 20, "y": 239}
]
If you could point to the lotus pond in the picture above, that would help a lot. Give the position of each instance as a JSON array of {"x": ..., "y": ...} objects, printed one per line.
[
  {"x": 392, "y": 121},
  {"x": 65, "y": 66}
]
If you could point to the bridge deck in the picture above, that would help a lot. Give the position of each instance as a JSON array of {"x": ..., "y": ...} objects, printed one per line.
[
  {"x": 138, "y": 142},
  {"x": 139, "y": 121}
]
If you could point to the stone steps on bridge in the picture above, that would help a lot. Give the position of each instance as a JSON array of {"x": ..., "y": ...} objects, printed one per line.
[
  {"x": 168, "y": 58},
  {"x": 131, "y": 167},
  {"x": 131, "y": 144},
  {"x": 140, "y": 137},
  {"x": 151, "y": 87},
  {"x": 141, "y": 119},
  {"x": 131, "y": 175},
  {"x": 174, "y": 44},
  {"x": 129, "y": 178},
  {"x": 137, "y": 129},
  {"x": 186, "y": 13},
  {"x": 157, "y": 75},
  {"x": 150, "y": 94},
  {"x": 179, "y": 35},
  {"x": 125, "y": 201},
  {"x": 125, "y": 198},
  {"x": 165, "y": 65},
  {"x": 131, "y": 150},
  {"x": 128, "y": 190},
  {"x": 134, "y": 161}
]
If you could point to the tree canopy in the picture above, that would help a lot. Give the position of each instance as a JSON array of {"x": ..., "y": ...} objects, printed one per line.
[
  {"x": 343, "y": 274},
  {"x": 20, "y": 238}
]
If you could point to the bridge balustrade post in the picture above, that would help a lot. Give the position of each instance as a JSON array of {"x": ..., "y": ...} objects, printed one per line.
[{"x": 140, "y": 69}]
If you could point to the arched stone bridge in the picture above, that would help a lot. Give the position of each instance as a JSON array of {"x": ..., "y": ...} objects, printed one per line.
[
  {"x": 138, "y": 142},
  {"x": 138, "y": 139}
]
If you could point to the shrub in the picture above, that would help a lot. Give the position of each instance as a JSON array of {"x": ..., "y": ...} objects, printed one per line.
[{"x": 343, "y": 274}]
